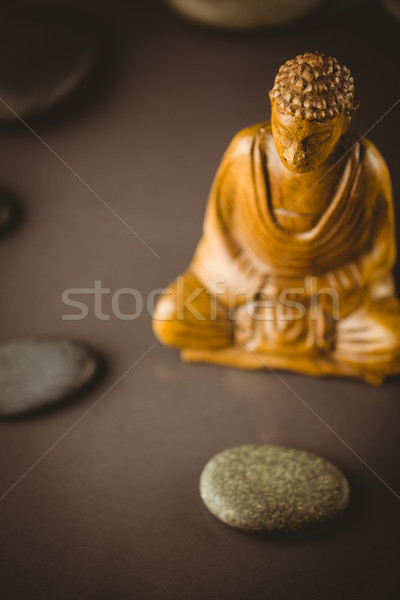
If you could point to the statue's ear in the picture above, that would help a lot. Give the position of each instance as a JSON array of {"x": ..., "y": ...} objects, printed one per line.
[
  {"x": 271, "y": 98},
  {"x": 346, "y": 121},
  {"x": 350, "y": 110}
]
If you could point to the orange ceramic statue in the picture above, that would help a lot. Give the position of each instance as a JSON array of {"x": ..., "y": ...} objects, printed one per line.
[{"x": 294, "y": 268}]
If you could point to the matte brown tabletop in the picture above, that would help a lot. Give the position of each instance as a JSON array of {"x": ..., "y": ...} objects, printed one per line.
[{"x": 100, "y": 498}]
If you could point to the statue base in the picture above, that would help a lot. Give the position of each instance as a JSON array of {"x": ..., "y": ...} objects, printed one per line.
[{"x": 317, "y": 364}]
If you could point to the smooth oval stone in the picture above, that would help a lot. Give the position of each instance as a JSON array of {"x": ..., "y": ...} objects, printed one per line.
[
  {"x": 37, "y": 372},
  {"x": 272, "y": 488},
  {"x": 43, "y": 58},
  {"x": 244, "y": 14}
]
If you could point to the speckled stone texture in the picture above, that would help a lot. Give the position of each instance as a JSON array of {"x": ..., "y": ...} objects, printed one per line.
[
  {"x": 37, "y": 372},
  {"x": 273, "y": 489}
]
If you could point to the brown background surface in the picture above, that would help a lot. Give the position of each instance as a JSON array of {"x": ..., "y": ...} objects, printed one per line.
[{"x": 113, "y": 510}]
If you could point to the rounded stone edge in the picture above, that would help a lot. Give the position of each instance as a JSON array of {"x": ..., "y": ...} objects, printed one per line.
[
  {"x": 227, "y": 518},
  {"x": 95, "y": 32},
  {"x": 89, "y": 376},
  {"x": 211, "y": 17}
]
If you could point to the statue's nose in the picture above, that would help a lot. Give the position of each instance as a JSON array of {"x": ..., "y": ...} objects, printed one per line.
[{"x": 296, "y": 154}]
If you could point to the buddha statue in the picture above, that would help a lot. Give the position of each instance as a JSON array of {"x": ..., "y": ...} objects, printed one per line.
[{"x": 294, "y": 267}]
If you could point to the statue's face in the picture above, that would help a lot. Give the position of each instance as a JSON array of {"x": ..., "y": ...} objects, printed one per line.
[{"x": 304, "y": 144}]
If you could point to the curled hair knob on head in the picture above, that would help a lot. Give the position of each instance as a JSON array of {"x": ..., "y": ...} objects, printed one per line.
[{"x": 314, "y": 86}]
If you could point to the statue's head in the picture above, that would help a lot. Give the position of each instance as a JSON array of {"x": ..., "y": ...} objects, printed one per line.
[{"x": 312, "y": 102}]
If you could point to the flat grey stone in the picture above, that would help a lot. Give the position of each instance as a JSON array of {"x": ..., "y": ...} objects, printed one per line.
[
  {"x": 37, "y": 372},
  {"x": 272, "y": 488},
  {"x": 43, "y": 58}
]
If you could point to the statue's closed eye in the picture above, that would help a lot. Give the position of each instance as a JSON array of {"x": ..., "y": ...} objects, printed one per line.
[
  {"x": 312, "y": 140},
  {"x": 317, "y": 138}
]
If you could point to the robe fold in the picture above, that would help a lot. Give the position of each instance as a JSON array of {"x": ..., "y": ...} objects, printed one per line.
[{"x": 243, "y": 243}]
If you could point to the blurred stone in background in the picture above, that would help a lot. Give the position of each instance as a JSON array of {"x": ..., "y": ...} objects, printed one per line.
[
  {"x": 38, "y": 372},
  {"x": 44, "y": 56},
  {"x": 244, "y": 14},
  {"x": 393, "y": 8}
]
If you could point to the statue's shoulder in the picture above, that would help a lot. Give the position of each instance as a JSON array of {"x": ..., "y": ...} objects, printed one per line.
[
  {"x": 374, "y": 159},
  {"x": 242, "y": 143},
  {"x": 373, "y": 162},
  {"x": 374, "y": 171}
]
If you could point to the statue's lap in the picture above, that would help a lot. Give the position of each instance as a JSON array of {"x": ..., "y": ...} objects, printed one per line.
[{"x": 189, "y": 318}]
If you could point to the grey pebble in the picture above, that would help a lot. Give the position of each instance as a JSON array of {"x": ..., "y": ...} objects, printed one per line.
[
  {"x": 272, "y": 488},
  {"x": 38, "y": 372}
]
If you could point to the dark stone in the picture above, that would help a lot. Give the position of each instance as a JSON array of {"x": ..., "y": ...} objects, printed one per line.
[
  {"x": 37, "y": 372},
  {"x": 272, "y": 488},
  {"x": 43, "y": 58}
]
